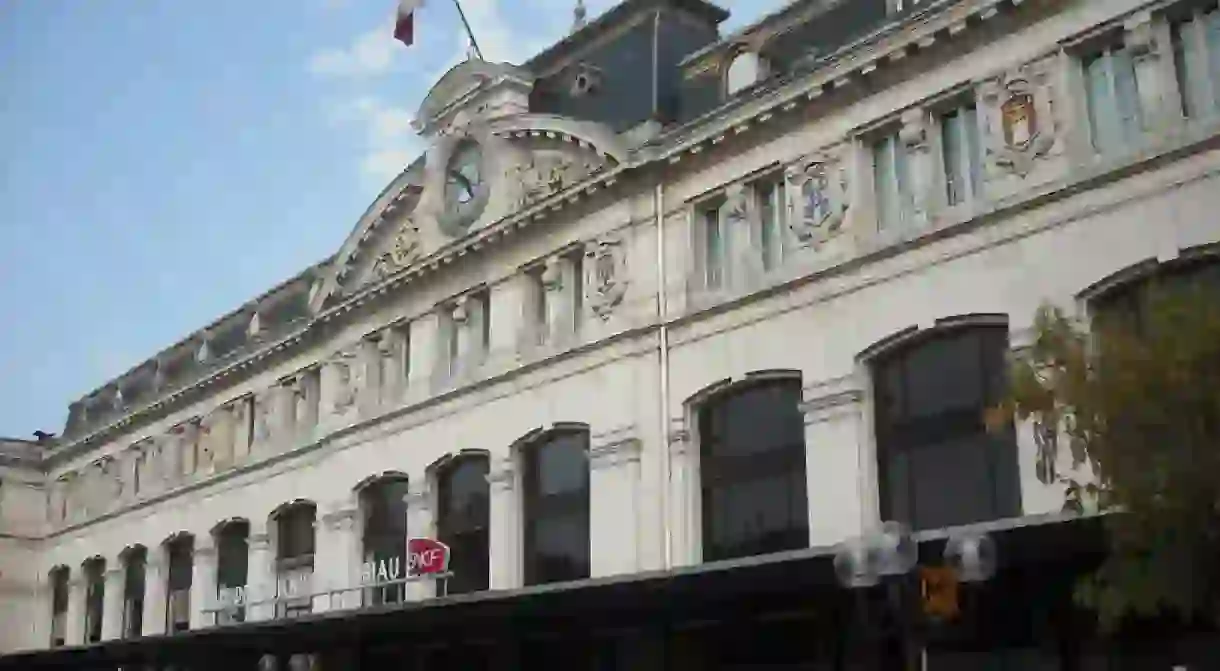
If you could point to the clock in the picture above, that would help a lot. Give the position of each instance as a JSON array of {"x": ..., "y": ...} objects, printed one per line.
[{"x": 466, "y": 187}]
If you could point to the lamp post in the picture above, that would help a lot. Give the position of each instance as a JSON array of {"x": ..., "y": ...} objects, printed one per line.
[{"x": 888, "y": 556}]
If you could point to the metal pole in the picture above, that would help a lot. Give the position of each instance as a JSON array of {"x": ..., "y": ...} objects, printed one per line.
[{"x": 474, "y": 43}]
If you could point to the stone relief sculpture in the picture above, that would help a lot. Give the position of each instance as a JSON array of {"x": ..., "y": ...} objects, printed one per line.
[
  {"x": 345, "y": 383},
  {"x": 607, "y": 278},
  {"x": 549, "y": 172},
  {"x": 404, "y": 248},
  {"x": 1022, "y": 127},
  {"x": 817, "y": 198}
]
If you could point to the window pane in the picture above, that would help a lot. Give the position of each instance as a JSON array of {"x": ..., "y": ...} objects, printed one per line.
[
  {"x": 1127, "y": 93},
  {"x": 714, "y": 252},
  {"x": 1100, "y": 102},
  {"x": 557, "y": 508},
  {"x": 562, "y": 465},
  {"x": 952, "y": 143},
  {"x": 561, "y": 547},
  {"x": 462, "y": 523},
  {"x": 884, "y": 183},
  {"x": 752, "y": 444}
]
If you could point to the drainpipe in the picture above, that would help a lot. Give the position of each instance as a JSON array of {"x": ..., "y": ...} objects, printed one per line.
[{"x": 658, "y": 202}]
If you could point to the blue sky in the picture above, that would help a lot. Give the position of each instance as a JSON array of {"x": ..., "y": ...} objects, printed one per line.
[{"x": 163, "y": 161}]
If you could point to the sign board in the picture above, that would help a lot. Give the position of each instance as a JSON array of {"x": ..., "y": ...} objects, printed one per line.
[
  {"x": 427, "y": 557},
  {"x": 287, "y": 586}
]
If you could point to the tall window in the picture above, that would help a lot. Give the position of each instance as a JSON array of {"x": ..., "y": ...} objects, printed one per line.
[
  {"x": 135, "y": 561},
  {"x": 714, "y": 243},
  {"x": 1128, "y": 302},
  {"x": 556, "y": 481},
  {"x": 1112, "y": 97},
  {"x": 232, "y": 568},
  {"x": 385, "y": 536},
  {"x": 180, "y": 551},
  {"x": 892, "y": 183},
  {"x": 770, "y": 204},
  {"x": 939, "y": 466},
  {"x": 962, "y": 153},
  {"x": 752, "y": 469},
  {"x": 294, "y": 553},
  {"x": 59, "y": 605},
  {"x": 95, "y": 589},
  {"x": 1196, "y": 61},
  {"x": 462, "y": 521}
]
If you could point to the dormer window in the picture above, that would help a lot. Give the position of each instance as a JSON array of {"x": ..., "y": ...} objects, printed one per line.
[{"x": 745, "y": 69}]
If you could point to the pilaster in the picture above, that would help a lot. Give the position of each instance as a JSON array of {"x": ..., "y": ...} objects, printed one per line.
[
  {"x": 155, "y": 576},
  {"x": 203, "y": 582},
  {"x": 420, "y": 523},
  {"x": 835, "y": 470},
  {"x": 683, "y": 514},
  {"x": 112, "y": 600},
  {"x": 505, "y": 550},
  {"x": 338, "y": 557},
  {"x": 614, "y": 514},
  {"x": 260, "y": 575},
  {"x": 915, "y": 139},
  {"x": 75, "y": 631}
]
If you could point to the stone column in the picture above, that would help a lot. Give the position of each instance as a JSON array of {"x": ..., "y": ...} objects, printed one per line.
[
  {"x": 614, "y": 515},
  {"x": 203, "y": 582},
  {"x": 920, "y": 168},
  {"x": 464, "y": 323},
  {"x": 260, "y": 575},
  {"x": 338, "y": 565},
  {"x": 505, "y": 533},
  {"x": 835, "y": 459},
  {"x": 683, "y": 513},
  {"x": 368, "y": 360},
  {"x": 420, "y": 523},
  {"x": 155, "y": 576},
  {"x": 112, "y": 600},
  {"x": 77, "y": 587}
]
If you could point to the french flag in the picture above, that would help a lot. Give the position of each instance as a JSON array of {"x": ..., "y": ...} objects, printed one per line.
[{"x": 404, "y": 25}]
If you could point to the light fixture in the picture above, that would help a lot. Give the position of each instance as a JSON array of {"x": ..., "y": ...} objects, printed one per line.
[{"x": 972, "y": 555}]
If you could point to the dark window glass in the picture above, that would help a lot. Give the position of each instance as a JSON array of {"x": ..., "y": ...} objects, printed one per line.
[
  {"x": 95, "y": 589},
  {"x": 556, "y": 483},
  {"x": 752, "y": 471},
  {"x": 385, "y": 535},
  {"x": 939, "y": 466},
  {"x": 1126, "y": 305},
  {"x": 462, "y": 522},
  {"x": 295, "y": 538},
  {"x": 294, "y": 558},
  {"x": 232, "y": 563},
  {"x": 180, "y": 552},
  {"x": 59, "y": 605},
  {"x": 133, "y": 592}
]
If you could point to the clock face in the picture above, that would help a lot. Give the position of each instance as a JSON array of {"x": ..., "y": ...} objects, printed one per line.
[{"x": 464, "y": 184}]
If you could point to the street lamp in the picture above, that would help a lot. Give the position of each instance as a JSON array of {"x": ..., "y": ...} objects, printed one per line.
[{"x": 888, "y": 554}]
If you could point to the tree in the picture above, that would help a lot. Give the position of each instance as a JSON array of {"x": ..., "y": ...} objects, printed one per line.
[{"x": 1135, "y": 402}]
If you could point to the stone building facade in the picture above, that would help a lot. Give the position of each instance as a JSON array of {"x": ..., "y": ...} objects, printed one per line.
[{"x": 741, "y": 299}]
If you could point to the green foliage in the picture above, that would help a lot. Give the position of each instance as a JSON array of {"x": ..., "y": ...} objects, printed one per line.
[{"x": 1136, "y": 401}]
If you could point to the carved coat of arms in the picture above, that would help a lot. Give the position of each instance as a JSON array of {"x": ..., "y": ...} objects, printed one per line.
[
  {"x": 404, "y": 248},
  {"x": 817, "y": 201},
  {"x": 1023, "y": 134},
  {"x": 607, "y": 275}
]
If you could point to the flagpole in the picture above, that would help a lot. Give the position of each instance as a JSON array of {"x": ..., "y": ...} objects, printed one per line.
[{"x": 474, "y": 43}]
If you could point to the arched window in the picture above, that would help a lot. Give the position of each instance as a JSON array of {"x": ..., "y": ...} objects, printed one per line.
[
  {"x": 135, "y": 560},
  {"x": 59, "y": 604},
  {"x": 745, "y": 70},
  {"x": 938, "y": 464},
  {"x": 232, "y": 568},
  {"x": 556, "y": 497},
  {"x": 180, "y": 552},
  {"x": 463, "y": 511},
  {"x": 1127, "y": 302},
  {"x": 294, "y": 551},
  {"x": 752, "y": 470},
  {"x": 385, "y": 537}
]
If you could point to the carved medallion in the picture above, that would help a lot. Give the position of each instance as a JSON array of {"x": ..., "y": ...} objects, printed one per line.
[
  {"x": 548, "y": 173},
  {"x": 817, "y": 200},
  {"x": 1019, "y": 120},
  {"x": 607, "y": 275}
]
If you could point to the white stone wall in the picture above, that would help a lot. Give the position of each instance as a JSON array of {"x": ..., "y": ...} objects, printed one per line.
[{"x": 1071, "y": 221}]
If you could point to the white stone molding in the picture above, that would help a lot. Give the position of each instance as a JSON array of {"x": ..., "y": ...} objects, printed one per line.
[
  {"x": 615, "y": 448},
  {"x": 502, "y": 474},
  {"x": 832, "y": 399}
]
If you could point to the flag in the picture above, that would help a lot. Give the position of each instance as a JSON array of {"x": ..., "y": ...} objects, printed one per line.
[{"x": 404, "y": 24}]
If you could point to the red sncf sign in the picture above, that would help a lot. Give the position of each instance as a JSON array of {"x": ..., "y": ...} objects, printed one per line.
[{"x": 427, "y": 556}]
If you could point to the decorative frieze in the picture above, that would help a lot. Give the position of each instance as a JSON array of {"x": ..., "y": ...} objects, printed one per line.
[
  {"x": 615, "y": 448},
  {"x": 832, "y": 399},
  {"x": 502, "y": 474}
]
